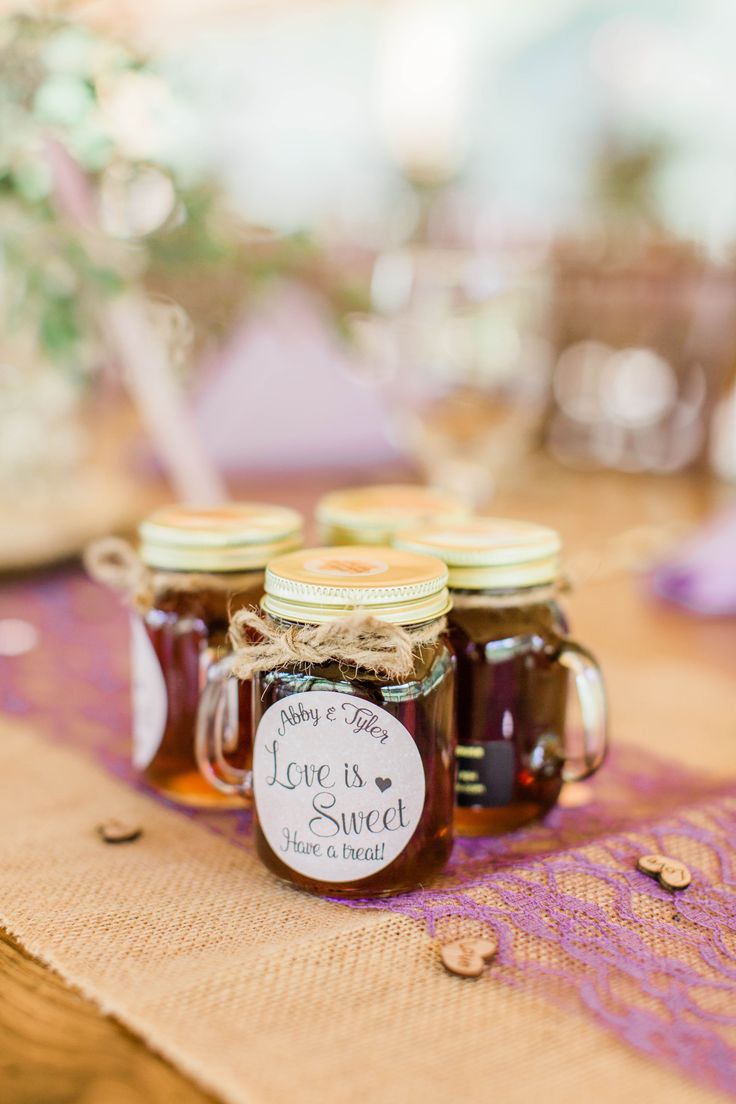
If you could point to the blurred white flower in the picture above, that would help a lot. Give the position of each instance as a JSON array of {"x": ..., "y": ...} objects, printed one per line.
[
  {"x": 135, "y": 200},
  {"x": 71, "y": 51},
  {"x": 133, "y": 109},
  {"x": 40, "y": 434}
]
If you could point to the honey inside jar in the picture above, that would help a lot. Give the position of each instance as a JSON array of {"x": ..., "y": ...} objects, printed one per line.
[
  {"x": 352, "y": 777},
  {"x": 511, "y": 707},
  {"x": 514, "y": 659},
  {"x": 205, "y": 563}
]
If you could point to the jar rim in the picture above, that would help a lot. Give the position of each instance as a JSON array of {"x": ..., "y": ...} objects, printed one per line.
[
  {"x": 318, "y": 585},
  {"x": 228, "y": 537},
  {"x": 373, "y": 514},
  {"x": 489, "y": 552}
]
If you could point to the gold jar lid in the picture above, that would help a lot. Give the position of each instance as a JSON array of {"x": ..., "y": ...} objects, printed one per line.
[
  {"x": 318, "y": 585},
  {"x": 234, "y": 536},
  {"x": 490, "y": 553},
  {"x": 373, "y": 515}
]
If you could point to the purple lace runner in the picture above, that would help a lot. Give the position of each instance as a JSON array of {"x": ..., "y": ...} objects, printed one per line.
[
  {"x": 584, "y": 928},
  {"x": 576, "y": 922}
]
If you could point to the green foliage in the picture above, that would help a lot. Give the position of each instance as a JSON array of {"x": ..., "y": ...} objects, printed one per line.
[{"x": 88, "y": 206}]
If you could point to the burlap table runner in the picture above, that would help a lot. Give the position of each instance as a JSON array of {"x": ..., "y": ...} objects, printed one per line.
[{"x": 258, "y": 992}]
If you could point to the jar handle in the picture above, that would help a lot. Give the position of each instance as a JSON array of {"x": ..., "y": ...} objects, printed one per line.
[
  {"x": 582, "y": 761},
  {"x": 217, "y": 727}
]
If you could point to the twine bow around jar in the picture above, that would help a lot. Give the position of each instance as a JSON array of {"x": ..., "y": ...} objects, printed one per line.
[
  {"x": 359, "y": 640},
  {"x": 115, "y": 563}
]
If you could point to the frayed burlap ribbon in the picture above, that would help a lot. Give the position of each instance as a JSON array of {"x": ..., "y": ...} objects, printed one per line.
[
  {"x": 116, "y": 564},
  {"x": 360, "y": 641}
]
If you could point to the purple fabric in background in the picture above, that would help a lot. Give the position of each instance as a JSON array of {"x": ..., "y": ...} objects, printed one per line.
[
  {"x": 702, "y": 576},
  {"x": 323, "y": 411},
  {"x": 576, "y": 922}
]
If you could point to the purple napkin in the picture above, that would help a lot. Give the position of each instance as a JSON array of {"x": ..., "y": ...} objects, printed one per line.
[{"x": 702, "y": 576}]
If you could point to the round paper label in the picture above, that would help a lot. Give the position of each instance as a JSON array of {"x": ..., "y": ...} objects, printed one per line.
[
  {"x": 338, "y": 785},
  {"x": 150, "y": 700}
]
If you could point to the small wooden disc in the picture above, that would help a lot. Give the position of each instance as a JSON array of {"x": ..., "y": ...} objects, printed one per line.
[
  {"x": 651, "y": 864},
  {"x": 675, "y": 875},
  {"x": 468, "y": 957},
  {"x": 118, "y": 831},
  {"x": 485, "y": 946},
  {"x": 670, "y": 873}
]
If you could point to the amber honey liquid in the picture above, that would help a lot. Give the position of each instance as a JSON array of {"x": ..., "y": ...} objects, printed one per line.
[
  {"x": 510, "y": 711},
  {"x": 424, "y": 705},
  {"x": 188, "y": 632}
]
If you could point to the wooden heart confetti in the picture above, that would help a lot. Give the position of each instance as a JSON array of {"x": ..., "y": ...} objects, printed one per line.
[
  {"x": 670, "y": 873},
  {"x": 651, "y": 864},
  {"x": 675, "y": 875},
  {"x": 118, "y": 831},
  {"x": 468, "y": 957}
]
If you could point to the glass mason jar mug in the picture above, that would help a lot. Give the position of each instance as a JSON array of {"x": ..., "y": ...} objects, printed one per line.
[
  {"x": 193, "y": 568},
  {"x": 353, "y": 678},
  {"x": 375, "y": 514},
  {"x": 514, "y": 659}
]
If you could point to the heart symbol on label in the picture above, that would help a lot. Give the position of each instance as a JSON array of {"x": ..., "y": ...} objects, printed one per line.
[{"x": 383, "y": 783}]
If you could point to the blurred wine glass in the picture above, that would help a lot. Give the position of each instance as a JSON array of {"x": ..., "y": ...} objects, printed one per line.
[
  {"x": 454, "y": 343},
  {"x": 644, "y": 337}
]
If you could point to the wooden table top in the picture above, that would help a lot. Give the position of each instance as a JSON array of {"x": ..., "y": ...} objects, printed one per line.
[{"x": 671, "y": 685}]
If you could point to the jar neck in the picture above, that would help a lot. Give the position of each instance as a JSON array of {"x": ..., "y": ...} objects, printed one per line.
[
  {"x": 262, "y": 643},
  {"x": 435, "y": 623},
  {"x": 540, "y": 594},
  {"x": 194, "y": 582},
  {"x": 233, "y": 577}
]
